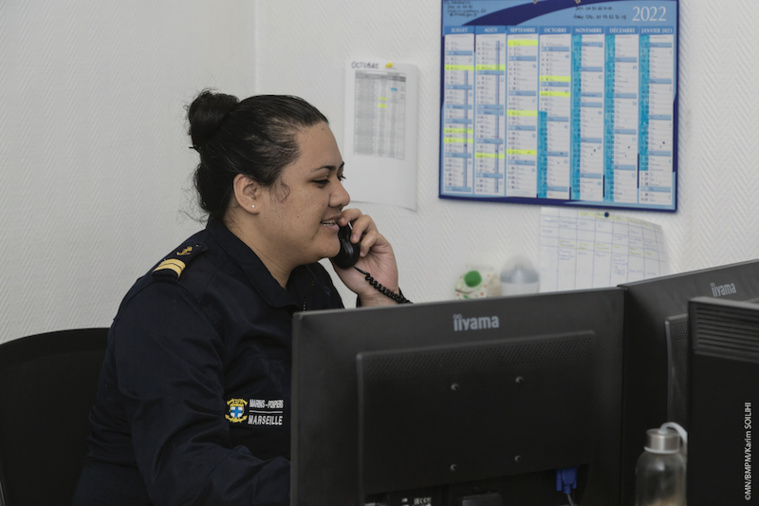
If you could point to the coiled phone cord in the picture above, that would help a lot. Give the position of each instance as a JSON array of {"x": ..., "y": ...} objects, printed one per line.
[{"x": 398, "y": 297}]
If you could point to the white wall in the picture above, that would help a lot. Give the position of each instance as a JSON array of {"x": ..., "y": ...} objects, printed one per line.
[
  {"x": 95, "y": 175},
  {"x": 95, "y": 178}
]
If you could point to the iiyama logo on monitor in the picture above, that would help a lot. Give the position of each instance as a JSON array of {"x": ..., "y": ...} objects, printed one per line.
[
  {"x": 461, "y": 324},
  {"x": 722, "y": 290}
]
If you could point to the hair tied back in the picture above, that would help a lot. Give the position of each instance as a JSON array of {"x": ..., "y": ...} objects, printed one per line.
[{"x": 206, "y": 115}]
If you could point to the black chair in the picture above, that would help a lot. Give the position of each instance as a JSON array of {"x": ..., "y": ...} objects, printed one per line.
[{"x": 48, "y": 384}]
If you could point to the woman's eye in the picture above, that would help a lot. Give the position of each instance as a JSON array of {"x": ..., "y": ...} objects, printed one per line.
[{"x": 325, "y": 182}]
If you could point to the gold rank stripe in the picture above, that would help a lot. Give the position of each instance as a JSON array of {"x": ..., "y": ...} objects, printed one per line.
[{"x": 171, "y": 264}]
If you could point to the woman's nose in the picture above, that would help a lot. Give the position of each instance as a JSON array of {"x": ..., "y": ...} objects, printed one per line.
[{"x": 340, "y": 197}]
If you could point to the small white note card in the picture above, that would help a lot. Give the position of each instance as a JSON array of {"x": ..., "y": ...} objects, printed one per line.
[
  {"x": 380, "y": 132},
  {"x": 594, "y": 249}
]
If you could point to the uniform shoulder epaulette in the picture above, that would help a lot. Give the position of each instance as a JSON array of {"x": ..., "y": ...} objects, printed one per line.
[{"x": 172, "y": 266}]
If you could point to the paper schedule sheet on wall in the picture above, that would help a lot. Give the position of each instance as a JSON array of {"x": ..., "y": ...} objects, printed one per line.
[
  {"x": 595, "y": 249},
  {"x": 380, "y": 132},
  {"x": 560, "y": 102}
]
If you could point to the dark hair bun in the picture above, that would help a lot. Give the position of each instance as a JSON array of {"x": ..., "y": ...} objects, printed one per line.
[{"x": 206, "y": 113}]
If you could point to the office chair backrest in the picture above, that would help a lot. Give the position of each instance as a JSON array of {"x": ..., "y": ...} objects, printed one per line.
[{"x": 48, "y": 384}]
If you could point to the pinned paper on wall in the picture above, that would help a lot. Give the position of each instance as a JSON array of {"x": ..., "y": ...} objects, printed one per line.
[
  {"x": 380, "y": 132},
  {"x": 582, "y": 249}
]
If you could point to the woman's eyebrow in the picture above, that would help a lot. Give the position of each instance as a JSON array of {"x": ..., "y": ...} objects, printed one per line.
[{"x": 330, "y": 167}]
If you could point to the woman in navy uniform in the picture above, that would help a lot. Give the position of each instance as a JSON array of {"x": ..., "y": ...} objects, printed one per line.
[{"x": 193, "y": 405}]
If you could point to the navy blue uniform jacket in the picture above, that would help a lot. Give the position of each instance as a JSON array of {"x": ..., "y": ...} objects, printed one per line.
[{"x": 193, "y": 404}]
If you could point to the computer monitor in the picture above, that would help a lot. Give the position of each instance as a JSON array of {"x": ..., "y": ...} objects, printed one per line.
[
  {"x": 724, "y": 395},
  {"x": 462, "y": 403},
  {"x": 656, "y": 350}
]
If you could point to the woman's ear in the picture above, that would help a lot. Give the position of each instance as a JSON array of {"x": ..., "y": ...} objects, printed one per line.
[{"x": 247, "y": 193}]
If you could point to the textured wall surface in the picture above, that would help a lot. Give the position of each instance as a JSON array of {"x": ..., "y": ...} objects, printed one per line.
[
  {"x": 95, "y": 171},
  {"x": 95, "y": 177}
]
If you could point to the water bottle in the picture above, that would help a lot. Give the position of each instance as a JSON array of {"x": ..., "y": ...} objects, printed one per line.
[
  {"x": 660, "y": 472},
  {"x": 519, "y": 276}
]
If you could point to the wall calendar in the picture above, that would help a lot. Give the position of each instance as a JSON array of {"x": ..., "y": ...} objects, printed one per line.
[{"x": 560, "y": 102}]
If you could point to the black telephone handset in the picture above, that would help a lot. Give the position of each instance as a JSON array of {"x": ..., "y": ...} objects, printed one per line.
[
  {"x": 349, "y": 252},
  {"x": 348, "y": 256}
]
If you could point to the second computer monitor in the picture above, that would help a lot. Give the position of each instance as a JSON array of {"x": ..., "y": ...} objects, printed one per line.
[{"x": 656, "y": 349}]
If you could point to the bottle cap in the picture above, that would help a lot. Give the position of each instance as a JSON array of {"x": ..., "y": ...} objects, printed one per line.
[
  {"x": 472, "y": 278},
  {"x": 662, "y": 440}
]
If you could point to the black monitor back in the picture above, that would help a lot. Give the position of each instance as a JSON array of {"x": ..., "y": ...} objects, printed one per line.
[
  {"x": 365, "y": 379},
  {"x": 724, "y": 395},
  {"x": 656, "y": 350},
  {"x": 457, "y": 410}
]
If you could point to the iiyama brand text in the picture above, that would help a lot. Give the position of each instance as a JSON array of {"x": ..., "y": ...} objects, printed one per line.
[
  {"x": 722, "y": 290},
  {"x": 461, "y": 324}
]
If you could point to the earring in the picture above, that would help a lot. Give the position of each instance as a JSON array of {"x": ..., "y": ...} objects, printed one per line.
[{"x": 252, "y": 205}]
